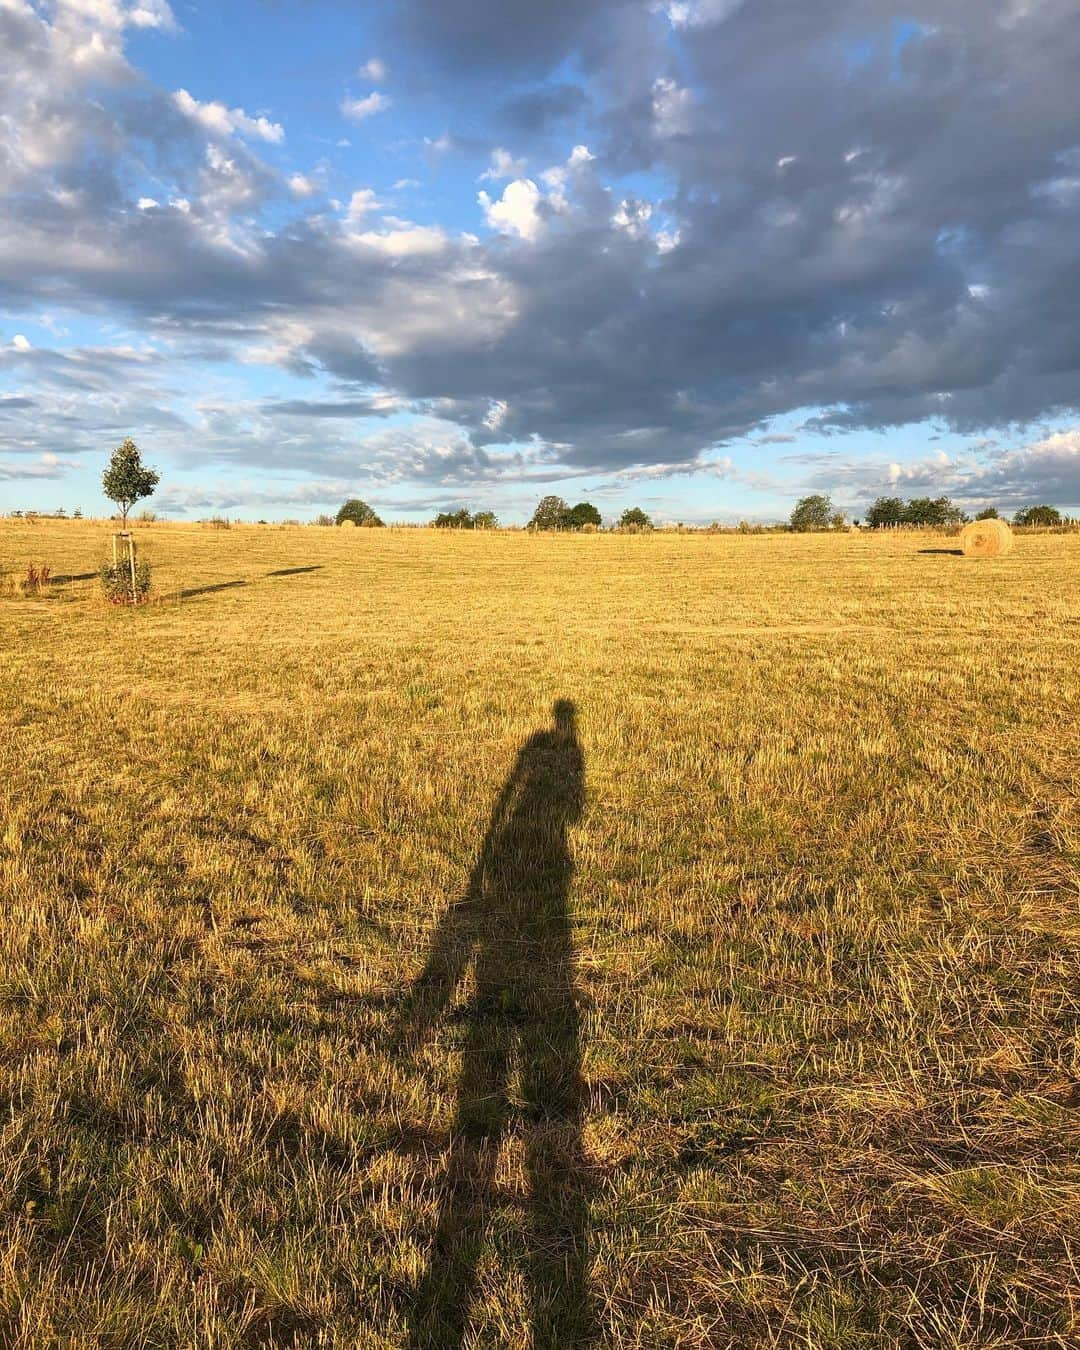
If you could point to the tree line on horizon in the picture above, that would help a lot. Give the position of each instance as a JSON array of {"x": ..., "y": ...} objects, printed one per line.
[{"x": 816, "y": 513}]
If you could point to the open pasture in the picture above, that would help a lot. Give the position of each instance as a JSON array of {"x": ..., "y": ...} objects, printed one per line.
[{"x": 349, "y": 996}]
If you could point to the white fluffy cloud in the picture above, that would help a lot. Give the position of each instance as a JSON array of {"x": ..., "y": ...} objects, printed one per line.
[
  {"x": 517, "y": 211},
  {"x": 219, "y": 120}
]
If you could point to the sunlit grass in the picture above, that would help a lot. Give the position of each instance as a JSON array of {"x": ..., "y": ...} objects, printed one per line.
[{"x": 824, "y": 918}]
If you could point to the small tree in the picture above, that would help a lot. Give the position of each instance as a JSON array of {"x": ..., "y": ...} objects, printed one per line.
[
  {"x": 990, "y": 513},
  {"x": 838, "y": 520},
  {"x": 485, "y": 520},
  {"x": 550, "y": 514},
  {"x": 1038, "y": 515},
  {"x": 932, "y": 511},
  {"x": 885, "y": 511},
  {"x": 811, "y": 513},
  {"x": 581, "y": 515},
  {"x": 358, "y": 512},
  {"x": 454, "y": 520},
  {"x": 634, "y": 518},
  {"x": 127, "y": 480}
]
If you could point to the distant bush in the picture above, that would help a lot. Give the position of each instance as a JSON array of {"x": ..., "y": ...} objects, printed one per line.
[
  {"x": 550, "y": 514},
  {"x": 319, "y": 520},
  {"x": 932, "y": 512},
  {"x": 461, "y": 519},
  {"x": 812, "y": 513},
  {"x": 578, "y": 517},
  {"x": 991, "y": 513},
  {"x": 485, "y": 520},
  {"x": 918, "y": 512},
  {"x": 885, "y": 511},
  {"x": 634, "y": 520},
  {"x": 116, "y": 582},
  {"x": 1038, "y": 515},
  {"x": 218, "y": 523},
  {"x": 358, "y": 512}
]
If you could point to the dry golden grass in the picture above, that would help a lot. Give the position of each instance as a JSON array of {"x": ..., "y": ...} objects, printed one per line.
[{"x": 307, "y": 1037}]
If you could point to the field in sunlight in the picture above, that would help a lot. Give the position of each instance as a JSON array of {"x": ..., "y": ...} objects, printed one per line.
[{"x": 423, "y": 939}]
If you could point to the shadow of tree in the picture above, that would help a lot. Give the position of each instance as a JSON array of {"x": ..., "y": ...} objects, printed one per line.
[
  {"x": 209, "y": 590},
  {"x": 513, "y": 923}
]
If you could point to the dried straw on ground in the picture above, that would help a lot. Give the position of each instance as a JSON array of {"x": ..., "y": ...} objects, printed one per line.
[{"x": 986, "y": 539}]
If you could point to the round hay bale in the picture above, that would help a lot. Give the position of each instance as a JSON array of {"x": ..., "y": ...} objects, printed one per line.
[
  {"x": 986, "y": 539},
  {"x": 348, "y": 525}
]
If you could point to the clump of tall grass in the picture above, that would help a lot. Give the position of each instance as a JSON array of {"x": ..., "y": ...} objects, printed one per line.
[{"x": 35, "y": 580}]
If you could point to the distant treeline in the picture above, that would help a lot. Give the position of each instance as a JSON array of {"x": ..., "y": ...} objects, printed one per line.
[{"x": 811, "y": 514}]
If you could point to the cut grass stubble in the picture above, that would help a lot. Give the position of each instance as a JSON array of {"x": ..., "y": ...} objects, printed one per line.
[{"x": 327, "y": 1017}]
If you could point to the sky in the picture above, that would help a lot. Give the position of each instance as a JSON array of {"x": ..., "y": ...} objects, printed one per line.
[{"x": 699, "y": 256}]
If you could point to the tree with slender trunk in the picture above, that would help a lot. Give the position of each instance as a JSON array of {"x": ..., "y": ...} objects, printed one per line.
[{"x": 127, "y": 480}]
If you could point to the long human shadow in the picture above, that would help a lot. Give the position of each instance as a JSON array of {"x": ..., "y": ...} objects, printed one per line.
[
  {"x": 513, "y": 924},
  {"x": 950, "y": 552},
  {"x": 294, "y": 571}
]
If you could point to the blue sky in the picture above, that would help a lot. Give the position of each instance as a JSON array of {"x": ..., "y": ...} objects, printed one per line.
[{"x": 703, "y": 257}]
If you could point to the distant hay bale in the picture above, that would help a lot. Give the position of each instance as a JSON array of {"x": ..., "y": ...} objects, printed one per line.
[
  {"x": 348, "y": 525},
  {"x": 986, "y": 539}
]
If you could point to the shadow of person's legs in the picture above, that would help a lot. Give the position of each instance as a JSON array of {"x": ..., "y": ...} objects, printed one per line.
[
  {"x": 441, "y": 1310},
  {"x": 558, "y": 1179}
]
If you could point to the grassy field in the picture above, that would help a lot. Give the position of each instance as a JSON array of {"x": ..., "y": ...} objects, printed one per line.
[{"x": 357, "y": 990}]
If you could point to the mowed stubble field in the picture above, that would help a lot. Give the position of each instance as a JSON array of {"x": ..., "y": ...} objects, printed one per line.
[{"x": 787, "y": 1054}]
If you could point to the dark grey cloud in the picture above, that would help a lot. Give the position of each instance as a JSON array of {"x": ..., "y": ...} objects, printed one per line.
[
  {"x": 484, "y": 35},
  {"x": 543, "y": 110}
]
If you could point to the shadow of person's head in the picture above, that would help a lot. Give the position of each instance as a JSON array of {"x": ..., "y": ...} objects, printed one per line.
[{"x": 564, "y": 711}]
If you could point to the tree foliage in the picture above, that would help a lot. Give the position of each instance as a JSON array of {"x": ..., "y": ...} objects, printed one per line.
[
  {"x": 581, "y": 515},
  {"x": 932, "y": 511},
  {"x": 358, "y": 512},
  {"x": 634, "y": 518},
  {"x": 989, "y": 513},
  {"x": 885, "y": 511},
  {"x": 550, "y": 514},
  {"x": 1038, "y": 515},
  {"x": 918, "y": 511},
  {"x": 485, "y": 520},
  {"x": 461, "y": 519},
  {"x": 127, "y": 480},
  {"x": 812, "y": 513}
]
